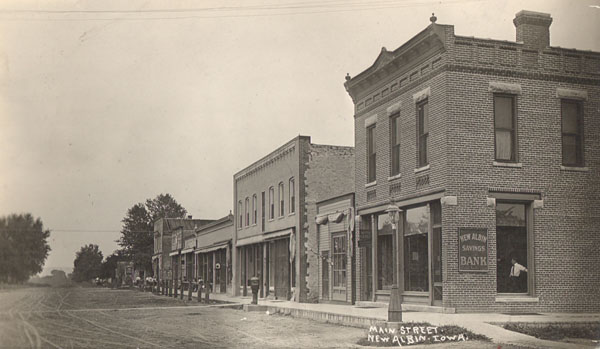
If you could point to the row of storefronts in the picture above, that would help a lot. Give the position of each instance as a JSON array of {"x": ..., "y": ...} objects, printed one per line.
[{"x": 472, "y": 186}]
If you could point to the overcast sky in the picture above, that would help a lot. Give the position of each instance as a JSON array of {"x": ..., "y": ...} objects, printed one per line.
[{"x": 105, "y": 107}]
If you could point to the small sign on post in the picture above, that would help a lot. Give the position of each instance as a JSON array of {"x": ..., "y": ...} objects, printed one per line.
[{"x": 472, "y": 250}]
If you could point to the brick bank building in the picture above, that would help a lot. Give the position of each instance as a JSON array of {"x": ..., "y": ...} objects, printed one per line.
[{"x": 491, "y": 149}]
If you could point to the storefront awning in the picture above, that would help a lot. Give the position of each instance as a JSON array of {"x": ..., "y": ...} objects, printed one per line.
[
  {"x": 174, "y": 253},
  {"x": 187, "y": 250},
  {"x": 212, "y": 248},
  {"x": 264, "y": 237}
]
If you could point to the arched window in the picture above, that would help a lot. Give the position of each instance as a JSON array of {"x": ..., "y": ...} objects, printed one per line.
[
  {"x": 292, "y": 196},
  {"x": 271, "y": 203},
  {"x": 240, "y": 213},
  {"x": 281, "y": 208},
  {"x": 247, "y": 212},
  {"x": 254, "y": 208}
]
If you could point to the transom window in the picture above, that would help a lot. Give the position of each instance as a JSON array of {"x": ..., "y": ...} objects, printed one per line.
[
  {"x": 572, "y": 132},
  {"x": 505, "y": 127}
]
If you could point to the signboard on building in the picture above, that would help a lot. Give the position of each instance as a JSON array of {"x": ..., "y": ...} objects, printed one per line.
[
  {"x": 472, "y": 250},
  {"x": 190, "y": 243}
]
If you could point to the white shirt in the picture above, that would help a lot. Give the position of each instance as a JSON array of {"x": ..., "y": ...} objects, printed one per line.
[{"x": 517, "y": 269}]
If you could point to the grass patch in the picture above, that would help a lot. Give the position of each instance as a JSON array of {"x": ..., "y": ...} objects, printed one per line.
[
  {"x": 409, "y": 333},
  {"x": 556, "y": 331}
]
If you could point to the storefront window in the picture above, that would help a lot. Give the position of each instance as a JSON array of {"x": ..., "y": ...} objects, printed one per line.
[
  {"x": 511, "y": 247},
  {"x": 339, "y": 261},
  {"x": 416, "y": 266},
  {"x": 385, "y": 259}
]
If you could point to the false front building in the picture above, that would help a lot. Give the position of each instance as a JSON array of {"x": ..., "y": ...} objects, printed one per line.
[
  {"x": 491, "y": 151},
  {"x": 275, "y": 202}
]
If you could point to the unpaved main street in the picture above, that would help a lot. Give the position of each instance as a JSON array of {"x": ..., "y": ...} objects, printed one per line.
[{"x": 103, "y": 318}]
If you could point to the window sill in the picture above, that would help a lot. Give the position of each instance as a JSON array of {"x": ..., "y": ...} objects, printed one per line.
[
  {"x": 399, "y": 175},
  {"x": 421, "y": 169},
  {"x": 517, "y": 299},
  {"x": 372, "y": 184},
  {"x": 574, "y": 168},
  {"x": 508, "y": 164}
]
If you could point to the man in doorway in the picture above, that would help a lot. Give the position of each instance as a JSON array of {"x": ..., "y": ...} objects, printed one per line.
[{"x": 515, "y": 276}]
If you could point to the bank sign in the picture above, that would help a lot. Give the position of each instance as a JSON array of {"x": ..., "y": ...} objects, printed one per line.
[{"x": 472, "y": 250}]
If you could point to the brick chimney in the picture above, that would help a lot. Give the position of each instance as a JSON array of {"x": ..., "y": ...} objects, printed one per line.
[{"x": 533, "y": 28}]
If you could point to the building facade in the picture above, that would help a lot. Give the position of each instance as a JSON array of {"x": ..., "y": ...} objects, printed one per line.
[
  {"x": 491, "y": 151},
  {"x": 335, "y": 231},
  {"x": 166, "y": 231},
  {"x": 275, "y": 200},
  {"x": 213, "y": 254}
]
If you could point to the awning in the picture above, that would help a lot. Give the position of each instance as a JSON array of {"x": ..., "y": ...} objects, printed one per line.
[
  {"x": 263, "y": 237},
  {"x": 174, "y": 253},
  {"x": 322, "y": 219},
  {"x": 187, "y": 250},
  {"x": 155, "y": 256},
  {"x": 337, "y": 217},
  {"x": 212, "y": 248}
]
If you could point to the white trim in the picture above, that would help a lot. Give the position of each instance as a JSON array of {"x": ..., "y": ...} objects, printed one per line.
[
  {"x": 371, "y": 120},
  {"x": 421, "y": 95},
  {"x": 212, "y": 248},
  {"x": 574, "y": 168},
  {"x": 517, "y": 299},
  {"x": 372, "y": 184},
  {"x": 508, "y": 164},
  {"x": 394, "y": 108},
  {"x": 568, "y": 93},
  {"x": 421, "y": 169},
  {"x": 504, "y": 87},
  {"x": 187, "y": 250},
  {"x": 391, "y": 178}
]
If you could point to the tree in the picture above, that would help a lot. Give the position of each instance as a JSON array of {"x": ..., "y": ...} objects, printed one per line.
[
  {"x": 137, "y": 235},
  {"x": 23, "y": 247},
  {"x": 87, "y": 264},
  {"x": 109, "y": 265}
]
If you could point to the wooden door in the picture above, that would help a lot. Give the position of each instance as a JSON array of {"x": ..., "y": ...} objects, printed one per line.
[{"x": 281, "y": 261}]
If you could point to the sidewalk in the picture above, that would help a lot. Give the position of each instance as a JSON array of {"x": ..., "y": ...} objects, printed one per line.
[{"x": 480, "y": 323}]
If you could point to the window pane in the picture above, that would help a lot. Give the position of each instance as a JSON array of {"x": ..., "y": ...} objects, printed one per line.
[
  {"x": 416, "y": 266},
  {"x": 503, "y": 112},
  {"x": 425, "y": 118},
  {"x": 504, "y": 145},
  {"x": 569, "y": 117},
  {"x": 569, "y": 150}
]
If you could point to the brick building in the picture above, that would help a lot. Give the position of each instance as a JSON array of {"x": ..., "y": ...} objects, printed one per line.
[
  {"x": 166, "y": 231},
  {"x": 491, "y": 149},
  {"x": 275, "y": 200}
]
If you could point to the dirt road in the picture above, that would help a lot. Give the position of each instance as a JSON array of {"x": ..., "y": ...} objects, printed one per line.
[{"x": 104, "y": 318}]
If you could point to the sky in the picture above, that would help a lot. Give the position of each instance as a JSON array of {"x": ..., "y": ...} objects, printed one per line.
[{"x": 104, "y": 104}]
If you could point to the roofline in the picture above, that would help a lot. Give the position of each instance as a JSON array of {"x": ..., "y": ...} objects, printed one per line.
[{"x": 229, "y": 218}]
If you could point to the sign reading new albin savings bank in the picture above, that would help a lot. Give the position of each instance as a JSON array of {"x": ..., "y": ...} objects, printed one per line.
[{"x": 472, "y": 250}]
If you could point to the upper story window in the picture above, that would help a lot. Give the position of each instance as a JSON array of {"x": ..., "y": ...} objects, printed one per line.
[
  {"x": 395, "y": 143},
  {"x": 371, "y": 154},
  {"x": 572, "y": 132},
  {"x": 505, "y": 127},
  {"x": 281, "y": 195},
  {"x": 247, "y": 212},
  {"x": 292, "y": 196},
  {"x": 254, "y": 208},
  {"x": 240, "y": 213},
  {"x": 422, "y": 132},
  {"x": 271, "y": 203}
]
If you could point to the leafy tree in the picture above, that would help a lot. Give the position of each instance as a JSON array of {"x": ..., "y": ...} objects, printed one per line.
[
  {"x": 87, "y": 264},
  {"x": 23, "y": 247},
  {"x": 137, "y": 235},
  {"x": 109, "y": 265}
]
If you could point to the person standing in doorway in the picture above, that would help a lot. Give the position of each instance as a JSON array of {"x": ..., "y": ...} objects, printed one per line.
[{"x": 515, "y": 276}]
